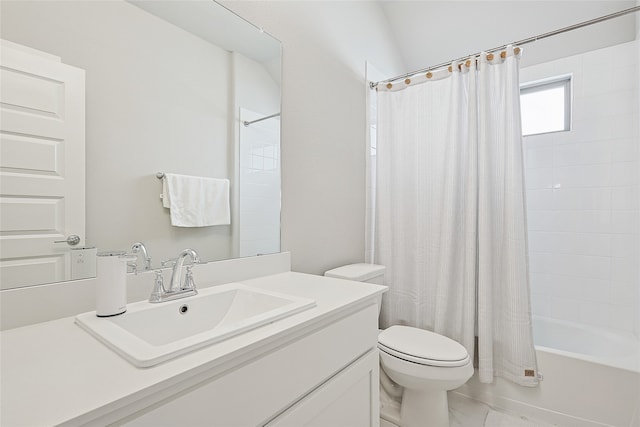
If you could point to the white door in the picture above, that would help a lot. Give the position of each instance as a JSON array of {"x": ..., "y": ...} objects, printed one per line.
[{"x": 42, "y": 166}]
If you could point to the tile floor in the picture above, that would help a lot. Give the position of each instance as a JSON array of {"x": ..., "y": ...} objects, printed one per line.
[{"x": 465, "y": 412}]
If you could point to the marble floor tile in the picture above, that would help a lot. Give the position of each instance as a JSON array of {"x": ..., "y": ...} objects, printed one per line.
[{"x": 464, "y": 412}]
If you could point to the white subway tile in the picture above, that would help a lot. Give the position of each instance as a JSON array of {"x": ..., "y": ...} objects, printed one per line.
[
  {"x": 593, "y": 267},
  {"x": 625, "y": 198},
  {"x": 594, "y": 244},
  {"x": 589, "y": 129},
  {"x": 596, "y": 77},
  {"x": 540, "y": 199},
  {"x": 540, "y": 241},
  {"x": 597, "y": 290},
  {"x": 582, "y": 153},
  {"x": 623, "y": 293},
  {"x": 605, "y": 127},
  {"x": 567, "y": 287},
  {"x": 580, "y": 221},
  {"x": 539, "y": 178},
  {"x": 625, "y": 222},
  {"x": 541, "y": 220},
  {"x": 582, "y": 198},
  {"x": 624, "y": 174},
  {"x": 620, "y": 102},
  {"x": 542, "y": 283},
  {"x": 625, "y": 150},
  {"x": 539, "y": 305},
  {"x": 625, "y": 269},
  {"x": 583, "y": 176},
  {"x": 540, "y": 262},
  {"x": 539, "y": 157},
  {"x": 625, "y": 77},
  {"x": 594, "y": 313},
  {"x": 622, "y": 126},
  {"x": 622, "y": 318},
  {"x": 625, "y": 245},
  {"x": 564, "y": 309},
  {"x": 259, "y": 232}
]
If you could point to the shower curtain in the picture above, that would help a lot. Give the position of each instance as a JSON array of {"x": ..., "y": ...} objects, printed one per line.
[{"x": 450, "y": 220}]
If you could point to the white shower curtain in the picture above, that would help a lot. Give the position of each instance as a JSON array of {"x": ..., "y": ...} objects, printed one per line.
[{"x": 450, "y": 214}]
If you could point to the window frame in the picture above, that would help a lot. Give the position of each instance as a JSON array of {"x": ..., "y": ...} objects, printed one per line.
[{"x": 565, "y": 81}]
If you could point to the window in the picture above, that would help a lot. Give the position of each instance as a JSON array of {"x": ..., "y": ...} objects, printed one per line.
[{"x": 546, "y": 105}]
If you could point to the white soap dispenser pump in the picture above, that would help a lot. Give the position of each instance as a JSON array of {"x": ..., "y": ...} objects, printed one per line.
[{"x": 111, "y": 282}]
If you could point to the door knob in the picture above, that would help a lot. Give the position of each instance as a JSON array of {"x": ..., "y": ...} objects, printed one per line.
[{"x": 72, "y": 240}]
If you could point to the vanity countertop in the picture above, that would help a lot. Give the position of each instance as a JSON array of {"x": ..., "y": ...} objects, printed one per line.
[{"x": 56, "y": 373}]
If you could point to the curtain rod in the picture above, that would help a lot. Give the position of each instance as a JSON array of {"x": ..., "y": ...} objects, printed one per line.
[
  {"x": 246, "y": 123},
  {"x": 603, "y": 18}
]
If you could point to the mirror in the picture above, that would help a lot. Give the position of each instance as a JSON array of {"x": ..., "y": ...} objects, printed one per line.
[{"x": 168, "y": 87}]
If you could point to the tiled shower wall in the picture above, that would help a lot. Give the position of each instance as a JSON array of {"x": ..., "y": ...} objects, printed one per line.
[
  {"x": 259, "y": 228},
  {"x": 583, "y": 195}
]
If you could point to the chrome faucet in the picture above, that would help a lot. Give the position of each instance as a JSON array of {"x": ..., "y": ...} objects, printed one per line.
[
  {"x": 177, "y": 271},
  {"x": 176, "y": 289},
  {"x": 137, "y": 248}
]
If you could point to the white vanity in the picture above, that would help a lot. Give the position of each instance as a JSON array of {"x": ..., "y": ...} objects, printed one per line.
[{"x": 316, "y": 367}]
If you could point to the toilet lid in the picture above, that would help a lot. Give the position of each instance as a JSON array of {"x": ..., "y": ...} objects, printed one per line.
[{"x": 422, "y": 346}]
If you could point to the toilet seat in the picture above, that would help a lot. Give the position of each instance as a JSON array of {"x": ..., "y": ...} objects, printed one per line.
[{"x": 422, "y": 347}]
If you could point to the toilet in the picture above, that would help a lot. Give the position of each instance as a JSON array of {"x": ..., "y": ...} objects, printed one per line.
[{"x": 418, "y": 367}]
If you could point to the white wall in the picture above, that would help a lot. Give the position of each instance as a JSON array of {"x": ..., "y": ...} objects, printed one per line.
[
  {"x": 157, "y": 100},
  {"x": 583, "y": 195},
  {"x": 325, "y": 45}
]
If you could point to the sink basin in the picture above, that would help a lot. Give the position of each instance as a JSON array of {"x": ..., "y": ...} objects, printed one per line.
[{"x": 148, "y": 334}]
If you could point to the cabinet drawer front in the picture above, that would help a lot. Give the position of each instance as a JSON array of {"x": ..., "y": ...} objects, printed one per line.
[
  {"x": 254, "y": 393},
  {"x": 351, "y": 398}
]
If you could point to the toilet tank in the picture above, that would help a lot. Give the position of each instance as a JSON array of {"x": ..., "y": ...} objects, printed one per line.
[{"x": 370, "y": 273}]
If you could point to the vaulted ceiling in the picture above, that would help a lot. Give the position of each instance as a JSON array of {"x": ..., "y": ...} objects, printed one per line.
[{"x": 431, "y": 32}]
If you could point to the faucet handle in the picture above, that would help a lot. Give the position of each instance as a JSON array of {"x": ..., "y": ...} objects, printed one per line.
[
  {"x": 132, "y": 267},
  {"x": 169, "y": 263},
  {"x": 188, "y": 280},
  {"x": 158, "y": 288}
]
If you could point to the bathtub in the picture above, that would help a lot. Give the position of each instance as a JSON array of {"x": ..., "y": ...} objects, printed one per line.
[
  {"x": 591, "y": 378},
  {"x": 584, "y": 342}
]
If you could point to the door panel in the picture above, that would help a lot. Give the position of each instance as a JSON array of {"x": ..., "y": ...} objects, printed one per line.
[
  {"x": 24, "y": 215},
  {"x": 42, "y": 147},
  {"x": 30, "y": 153}
]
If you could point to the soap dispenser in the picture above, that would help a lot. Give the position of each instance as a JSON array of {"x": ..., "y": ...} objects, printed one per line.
[{"x": 111, "y": 282}]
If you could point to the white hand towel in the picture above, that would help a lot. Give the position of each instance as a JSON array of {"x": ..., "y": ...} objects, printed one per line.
[{"x": 196, "y": 201}]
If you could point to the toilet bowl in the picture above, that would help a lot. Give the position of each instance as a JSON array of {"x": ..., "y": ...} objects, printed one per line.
[
  {"x": 418, "y": 367},
  {"x": 426, "y": 365}
]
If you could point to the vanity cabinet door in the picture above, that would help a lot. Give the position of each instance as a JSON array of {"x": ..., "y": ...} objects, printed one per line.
[{"x": 350, "y": 399}]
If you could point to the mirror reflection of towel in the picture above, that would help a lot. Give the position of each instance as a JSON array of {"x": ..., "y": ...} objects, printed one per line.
[{"x": 196, "y": 201}]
